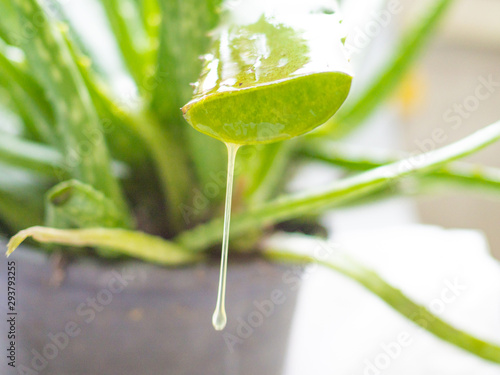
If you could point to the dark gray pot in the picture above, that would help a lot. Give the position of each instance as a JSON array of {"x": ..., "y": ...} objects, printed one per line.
[{"x": 156, "y": 322}]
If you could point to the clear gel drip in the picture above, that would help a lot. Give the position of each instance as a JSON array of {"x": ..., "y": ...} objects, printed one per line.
[{"x": 219, "y": 319}]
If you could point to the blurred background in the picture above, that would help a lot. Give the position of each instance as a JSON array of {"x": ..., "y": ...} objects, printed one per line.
[{"x": 464, "y": 52}]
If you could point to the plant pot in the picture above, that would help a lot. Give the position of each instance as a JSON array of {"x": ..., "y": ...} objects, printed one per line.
[{"x": 135, "y": 318}]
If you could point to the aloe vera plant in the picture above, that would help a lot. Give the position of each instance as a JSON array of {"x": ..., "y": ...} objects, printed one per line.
[{"x": 122, "y": 179}]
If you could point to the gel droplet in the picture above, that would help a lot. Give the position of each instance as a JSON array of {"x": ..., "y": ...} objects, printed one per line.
[{"x": 219, "y": 319}]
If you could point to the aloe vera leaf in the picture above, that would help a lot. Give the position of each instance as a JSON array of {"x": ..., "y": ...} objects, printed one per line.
[
  {"x": 209, "y": 157},
  {"x": 141, "y": 133},
  {"x": 21, "y": 196},
  {"x": 77, "y": 122},
  {"x": 31, "y": 156},
  {"x": 349, "y": 267},
  {"x": 39, "y": 158},
  {"x": 122, "y": 133},
  {"x": 9, "y": 28},
  {"x": 18, "y": 213},
  {"x": 29, "y": 99},
  {"x": 352, "y": 115},
  {"x": 132, "y": 127},
  {"x": 460, "y": 174},
  {"x": 339, "y": 192},
  {"x": 173, "y": 171},
  {"x": 4, "y": 34},
  {"x": 264, "y": 170},
  {"x": 270, "y": 113},
  {"x": 77, "y": 205},
  {"x": 183, "y": 38},
  {"x": 83, "y": 53},
  {"x": 72, "y": 204},
  {"x": 151, "y": 19},
  {"x": 270, "y": 76},
  {"x": 126, "y": 24},
  {"x": 135, "y": 244}
]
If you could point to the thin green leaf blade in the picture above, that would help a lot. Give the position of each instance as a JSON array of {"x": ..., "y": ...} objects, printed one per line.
[
  {"x": 265, "y": 168},
  {"x": 339, "y": 192},
  {"x": 32, "y": 156},
  {"x": 130, "y": 34},
  {"x": 28, "y": 97},
  {"x": 135, "y": 244},
  {"x": 349, "y": 267},
  {"x": 456, "y": 174}
]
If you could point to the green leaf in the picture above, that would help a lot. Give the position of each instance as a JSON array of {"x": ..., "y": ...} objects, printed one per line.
[
  {"x": 353, "y": 114},
  {"x": 31, "y": 156},
  {"x": 269, "y": 113},
  {"x": 135, "y": 244},
  {"x": 28, "y": 96},
  {"x": 183, "y": 38},
  {"x": 209, "y": 158},
  {"x": 17, "y": 212},
  {"x": 270, "y": 77},
  {"x": 21, "y": 197},
  {"x": 151, "y": 18},
  {"x": 10, "y": 29},
  {"x": 132, "y": 135},
  {"x": 121, "y": 129},
  {"x": 265, "y": 167},
  {"x": 130, "y": 34},
  {"x": 77, "y": 123},
  {"x": 347, "y": 266},
  {"x": 459, "y": 174},
  {"x": 72, "y": 204},
  {"x": 173, "y": 171},
  {"x": 340, "y": 192}
]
